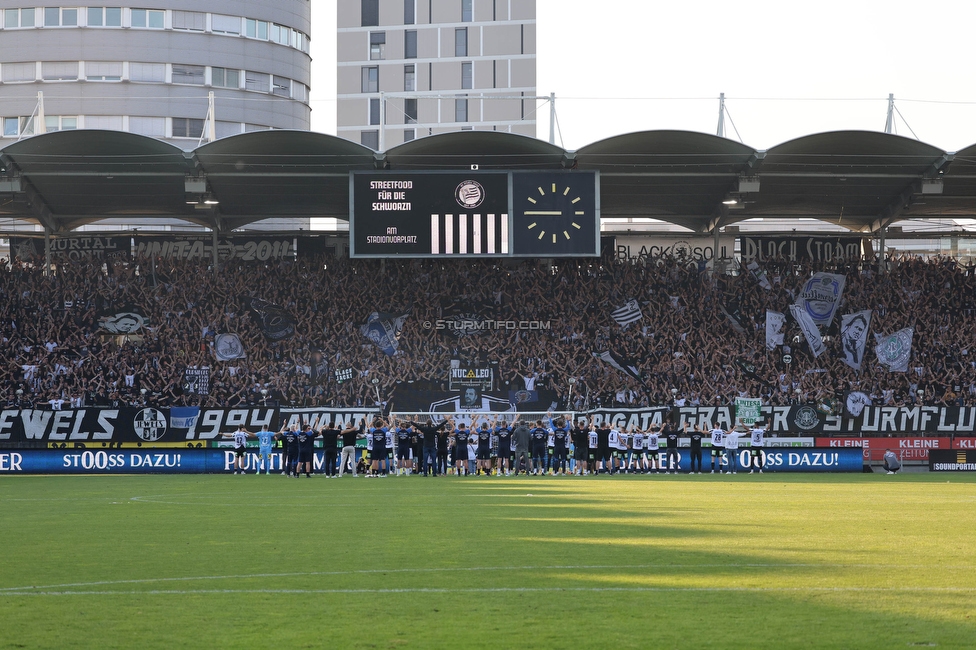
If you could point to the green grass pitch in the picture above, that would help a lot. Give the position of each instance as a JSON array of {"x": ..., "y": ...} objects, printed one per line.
[{"x": 747, "y": 561}]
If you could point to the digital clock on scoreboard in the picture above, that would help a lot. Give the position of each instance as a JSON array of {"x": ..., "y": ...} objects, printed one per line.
[{"x": 471, "y": 214}]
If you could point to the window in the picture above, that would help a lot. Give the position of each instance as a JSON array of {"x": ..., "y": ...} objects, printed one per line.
[
  {"x": 461, "y": 109},
  {"x": 103, "y": 71},
  {"x": 299, "y": 91},
  {"x": 409, "y": 12},
  {"x": 150, "y": 18},
  {"x": 281, "y": 86},
  {"x": 11, "y": 126},
  {"x": 370, "y": 139},
  {"x": 409, "y": 111},
  {"x": 147, "y": 72},
  {"x": 280, "y": 34},
  {"x": 410, "y": 77},
  {"x": 225, "y": 24},
  {"x": 374, "y": 111},
  {"x": 409, "y": 134},
  {"x": 466, "y": 11},
  {"x": 190, "y": 20},
  {"x": 59, "y": 70},
  {"x": 257, "y": 81},
  {"x": 195, "y": 75},
  {"x": 467, "y": 75},
  {"x": 18, "y": 18},
  {"x": 225, "y": 78},
  {"x": 154, "y": 127},
  {"x": 410, "y": 44},
  {"x": 104, "y": 122},
  {"x": 58, "y": 17},
  {"x": 105, "y": 16},
  {"x": 371, "y": 79},
  {"x": 13, "y": 72},
  {"x": 301, "y": 41},
  {"x": 371, "y": 13},
  {"x": 60, "y": 123},
  {"x": 256, "y": 29},
  {"x": 377, "y": 45},
  {"x": 187, "y": 127},
  {"x": 461, "y": 41}
]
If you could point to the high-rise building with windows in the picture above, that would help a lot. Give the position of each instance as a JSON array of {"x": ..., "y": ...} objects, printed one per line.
[
  {"x": 412, "y": 68},
  {"x": 150, "y": 68}
]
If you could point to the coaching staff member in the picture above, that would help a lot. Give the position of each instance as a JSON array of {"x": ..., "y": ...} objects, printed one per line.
[
  {"x": 696, "y": 449},
  {"x": 349, "y": 436},
  {"x": 430, "y": 444},
  {"x": 330, "y": 437}
]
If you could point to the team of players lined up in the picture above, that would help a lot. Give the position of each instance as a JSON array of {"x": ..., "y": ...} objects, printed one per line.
[{"x": 499, "y": 448}]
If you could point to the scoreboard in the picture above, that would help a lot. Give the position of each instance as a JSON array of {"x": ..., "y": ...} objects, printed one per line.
[{"x": 474, "y": 214}]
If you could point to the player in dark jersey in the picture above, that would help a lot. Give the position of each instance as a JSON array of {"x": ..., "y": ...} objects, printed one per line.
[
  {"x": 404, "y": 445},
  {"x": 377, "y": 446},
  {"x": 671, "y": 441},
  {"x": 443, "y": 446},
  {"x": 504, "y": 434},
  {"x": 560, "y": 446},
  {"x": 696, "y": 449},
  {"x": 461, "y": 448},
  {"x": 483, "y": 454},
  {"x": 603, "y": 449},
  {"x": 580, "y": 450},
  {"x": 290, "y": 440},
  {"x": 306, "y": 450},
  {"x": 540, "y": 437}
]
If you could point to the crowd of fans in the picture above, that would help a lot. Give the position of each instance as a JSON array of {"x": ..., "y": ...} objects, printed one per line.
[{"x": 56, "y": 355}]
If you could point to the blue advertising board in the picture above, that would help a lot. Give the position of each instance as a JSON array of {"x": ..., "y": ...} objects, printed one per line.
[
  {"x": 782, "y": 459},
  {"x": 217, "y": 461}
]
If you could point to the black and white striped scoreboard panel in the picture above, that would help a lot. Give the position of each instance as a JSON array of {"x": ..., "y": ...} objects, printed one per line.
[{"x": 474, "y": 214}]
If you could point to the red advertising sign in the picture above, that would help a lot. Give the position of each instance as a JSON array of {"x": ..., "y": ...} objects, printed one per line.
[{"x": 910, "y": 449}]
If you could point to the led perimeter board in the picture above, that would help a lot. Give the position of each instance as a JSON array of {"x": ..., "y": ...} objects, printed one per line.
[{"x": 474, "y": 214}]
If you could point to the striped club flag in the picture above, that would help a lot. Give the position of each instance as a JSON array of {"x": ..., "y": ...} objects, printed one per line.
[{"x": 629, "y": 313}]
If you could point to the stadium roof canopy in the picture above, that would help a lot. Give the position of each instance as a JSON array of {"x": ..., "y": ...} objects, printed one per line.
[{"x": 860, "y": 180}]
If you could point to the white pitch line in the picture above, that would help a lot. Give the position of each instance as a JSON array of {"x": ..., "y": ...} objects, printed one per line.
[
  {"x": 251, "y": 576},
  {"x": 434, "y": 590}
]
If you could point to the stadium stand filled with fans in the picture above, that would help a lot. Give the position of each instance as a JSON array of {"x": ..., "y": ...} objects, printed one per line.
[{"x": 125, "y": 333}]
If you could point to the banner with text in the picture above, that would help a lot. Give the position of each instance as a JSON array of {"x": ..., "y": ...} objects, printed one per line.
[
  {"x": 248, "y": 249},
  {"x": 800, "y": 249},
  {"x": 82, "y": 247}
]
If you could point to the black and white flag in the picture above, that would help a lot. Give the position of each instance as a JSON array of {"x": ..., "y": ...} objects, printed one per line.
[
  {"x": 629, "y": 313},
  {"x": 775, "y": 325},
  {"x": 809, "y": 329},
  {"x": 854, "y": 337},
  {"x": 895, "y": 351},
  {"x": 228, "y": 347},
  {"x": 820, "y": 296},
  {"x": 626, "y": 366},
  {"x": 275, "y": 322}
]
